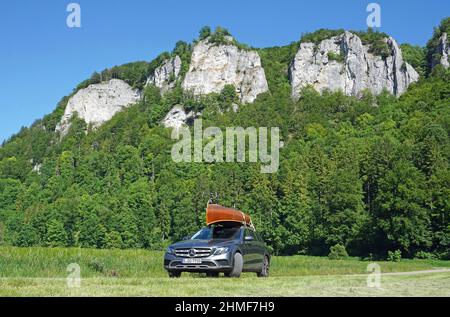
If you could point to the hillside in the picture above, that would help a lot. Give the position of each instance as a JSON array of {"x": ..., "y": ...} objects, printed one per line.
[{"x": 365, "y": 161}]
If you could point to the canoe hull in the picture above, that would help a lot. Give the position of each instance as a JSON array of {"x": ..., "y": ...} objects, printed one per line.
[{"x": 216, "y": 214}]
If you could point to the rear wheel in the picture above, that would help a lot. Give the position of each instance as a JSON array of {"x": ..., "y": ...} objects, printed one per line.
[
  {"x": 237, "y": 266},
  {"x": 265, "y": 268},
  {"x": 174, "y": 274}
]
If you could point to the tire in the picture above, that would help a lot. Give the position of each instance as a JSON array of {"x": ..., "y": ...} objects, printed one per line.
[
  {"x": 174, "y": 274},
  {"x": 212, "y": 274},
  {"x": 265, "y": 268},
  {"x": 238, "y": 263}
]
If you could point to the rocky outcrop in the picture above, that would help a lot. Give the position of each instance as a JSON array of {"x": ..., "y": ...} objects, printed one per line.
[
  {"x": 37, "y": 168},
  {"x": 344, "y": 63},
  {"x": 177, "y": 117},
  {"x": 98, "y": 103},
  {"x": 166, "y": 75},
  {"x": 214, "y": 66},
  {"x": 441, "y": 54}
]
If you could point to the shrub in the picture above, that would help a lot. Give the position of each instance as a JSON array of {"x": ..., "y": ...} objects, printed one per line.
[
  {"x": 440, "y": 72},
  {"x": 320, "y": 35},
  {"x": 184, "y": 51},
  {"x": 228, "y": 95},
  {"x": 113, "y": 240},
  {"x": 424, "y": 255},
  {"x": 96, "y": 265},
  {"x": 56, "y": 234},
  {"x": 222, "y": 36},
  {"x": 219, "y": 36},
  {"x": 336, "y": 57},
  {"x": 204, "y": 32},
  {"x": 415, "y": 56},
  {"x": 337, "y": 252},
  {"x": 445, "y": 256},
  {"x": 380, "y": 48},
  {"x": 394, "y": 256},
  {"x": 376, "y": 41}
]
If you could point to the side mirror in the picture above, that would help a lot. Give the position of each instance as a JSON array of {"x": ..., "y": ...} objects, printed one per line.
[
  {"x": 248, "y": 239},
  {"x": 186, "y": 238}
]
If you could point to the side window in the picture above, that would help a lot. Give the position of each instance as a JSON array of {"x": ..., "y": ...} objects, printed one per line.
[{"x": 250, "y": 233}]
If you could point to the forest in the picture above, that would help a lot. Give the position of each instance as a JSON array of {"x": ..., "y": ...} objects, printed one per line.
[{"x": 370, "y": 174}]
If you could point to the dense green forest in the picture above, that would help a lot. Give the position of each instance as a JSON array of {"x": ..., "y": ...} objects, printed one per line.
[{"x": 371, "y": 174}]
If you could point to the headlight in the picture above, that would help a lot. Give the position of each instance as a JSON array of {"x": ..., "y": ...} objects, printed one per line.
[
  {"x": 221, "y": 250},
  {"x": 170, "y": 250}
]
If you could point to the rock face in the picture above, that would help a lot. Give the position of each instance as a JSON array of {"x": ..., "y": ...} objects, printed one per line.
[
  {"x": 215, "y": 66},
  {"x": 166, "y": 75},
  {"x": 344, "y": 63},
  {"x": 98, "y": 103},
  {"x": 177, "y": 117},
  {"x": 37, "y": 168},
  {"x": 442, "y": 52}
]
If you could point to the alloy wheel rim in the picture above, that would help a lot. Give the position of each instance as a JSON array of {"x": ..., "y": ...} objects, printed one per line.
[{"x": 266, "y": 266}]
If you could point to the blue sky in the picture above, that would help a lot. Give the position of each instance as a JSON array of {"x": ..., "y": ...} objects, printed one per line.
[{"x": 41, "y": 59}]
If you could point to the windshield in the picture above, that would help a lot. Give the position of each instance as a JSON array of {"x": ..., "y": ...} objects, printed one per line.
[{"x": 217, "y": 232}]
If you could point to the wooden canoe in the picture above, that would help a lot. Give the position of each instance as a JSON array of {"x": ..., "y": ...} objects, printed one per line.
[{"x": 217, "y": 213}]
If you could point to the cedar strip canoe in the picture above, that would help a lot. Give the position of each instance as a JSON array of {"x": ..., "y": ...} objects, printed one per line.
[{"x": 217, "y": 213}]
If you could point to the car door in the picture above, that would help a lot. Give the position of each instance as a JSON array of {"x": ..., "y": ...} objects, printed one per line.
[
  {"x": 250, "y": 250},
  {"x": 260, "y": 247}
]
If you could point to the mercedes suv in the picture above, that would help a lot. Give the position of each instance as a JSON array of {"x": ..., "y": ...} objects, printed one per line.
[{"x": 227, "y": 248}]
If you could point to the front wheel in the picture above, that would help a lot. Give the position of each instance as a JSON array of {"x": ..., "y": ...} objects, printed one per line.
[
  {"x": 237, "y": 266},
  {"x": 265, "y": 268}
]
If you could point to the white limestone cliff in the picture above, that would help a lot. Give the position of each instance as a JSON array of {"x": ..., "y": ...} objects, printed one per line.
[
  {"x": 356, "y": 70},
  {"x": 98, "y": 103},
  {"x": 165, "y": 76},
  {"x": 177, "y": 117},
  {"x": 442, "y": 52},
  {"x": 213, "y": 66}
]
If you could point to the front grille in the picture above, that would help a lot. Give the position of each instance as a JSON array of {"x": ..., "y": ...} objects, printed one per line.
[
  {"x": 193, "y": 252},
  {"x": 203, "y": 265}
]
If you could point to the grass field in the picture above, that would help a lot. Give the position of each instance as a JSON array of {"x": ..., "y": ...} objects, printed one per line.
[{"x": 42, "y": 272}]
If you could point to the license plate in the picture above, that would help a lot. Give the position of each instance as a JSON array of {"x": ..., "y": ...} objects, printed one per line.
[{"x": 191, "y": 261}]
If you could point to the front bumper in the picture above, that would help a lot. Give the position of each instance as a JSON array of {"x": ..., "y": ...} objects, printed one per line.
[{"x": 212, "y": 263}]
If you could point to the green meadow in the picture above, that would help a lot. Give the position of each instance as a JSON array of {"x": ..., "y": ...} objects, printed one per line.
[{"x": 43, "y": 272}]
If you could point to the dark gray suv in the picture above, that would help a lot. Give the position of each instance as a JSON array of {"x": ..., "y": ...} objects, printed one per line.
[{"x": 219, "y": 248}]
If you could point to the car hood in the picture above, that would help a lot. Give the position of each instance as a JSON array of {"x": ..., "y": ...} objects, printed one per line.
[{"x": 202, "y": 243}]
